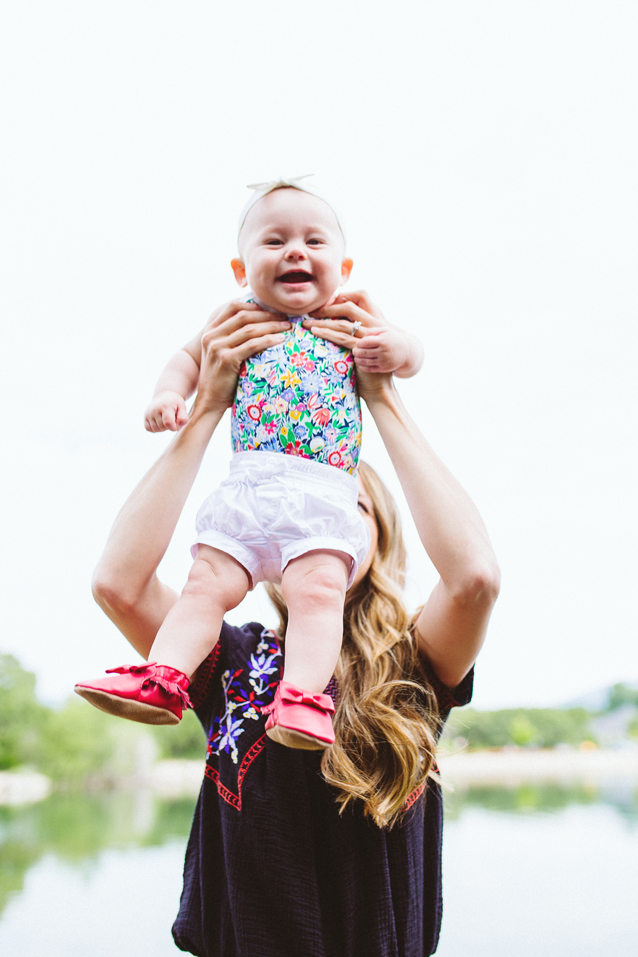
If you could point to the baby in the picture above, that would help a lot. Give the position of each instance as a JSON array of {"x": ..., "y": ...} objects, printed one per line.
[{"x": 288, "y": 512}]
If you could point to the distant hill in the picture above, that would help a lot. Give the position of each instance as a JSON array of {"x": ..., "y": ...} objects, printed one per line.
[
  {"x": 606, "y": 699},
  {"x": 605, "y": 718}
]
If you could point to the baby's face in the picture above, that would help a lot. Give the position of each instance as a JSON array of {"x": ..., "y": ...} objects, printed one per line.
[{"x": 292, "y": 252}]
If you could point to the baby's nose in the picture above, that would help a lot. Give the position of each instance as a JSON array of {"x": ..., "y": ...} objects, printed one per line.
[{"x": 295, "y": 251}]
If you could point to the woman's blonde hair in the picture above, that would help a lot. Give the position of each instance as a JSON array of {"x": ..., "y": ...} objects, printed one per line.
[{"x": 386, "y": 717}]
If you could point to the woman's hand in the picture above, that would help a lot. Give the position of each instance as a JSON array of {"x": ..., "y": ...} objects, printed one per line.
[
  {"x": 233, "y": 333},
  {"x": 352, "y": 321},
  {"x": 346, "y": 322}
]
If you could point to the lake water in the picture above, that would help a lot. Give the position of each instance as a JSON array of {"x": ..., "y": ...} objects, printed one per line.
[{"x": 528, "y": 871}]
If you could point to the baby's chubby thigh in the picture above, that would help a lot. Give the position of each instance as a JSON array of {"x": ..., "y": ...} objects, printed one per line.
[
  {"x": 314, "y": 589},
  {"x": 218, "y": 574},
  {"x": 316, "y": 581}
]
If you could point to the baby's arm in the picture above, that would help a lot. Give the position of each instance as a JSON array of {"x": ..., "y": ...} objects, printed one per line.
[{"x": 177, "y": 383}]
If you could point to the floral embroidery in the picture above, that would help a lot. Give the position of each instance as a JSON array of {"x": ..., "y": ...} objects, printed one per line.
[
  {"x": 299, "y": 397},
  {"x": 246, "y": 691}
]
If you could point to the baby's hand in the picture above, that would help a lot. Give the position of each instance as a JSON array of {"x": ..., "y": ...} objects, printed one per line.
[
  {"x": 166, "y": 411},
  {"x": 354, "y": 322},
  {"x": 383, "y": 349}
]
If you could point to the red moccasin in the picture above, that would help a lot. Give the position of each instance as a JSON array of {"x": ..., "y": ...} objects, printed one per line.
[
  {"x": 298, "y": 719},
  {"x": 151, "y": 693}
]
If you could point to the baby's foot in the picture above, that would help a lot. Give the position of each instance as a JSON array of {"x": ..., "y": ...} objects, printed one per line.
[
  {"x": 298, "y": 719},
  {"x": 151, "y": 693}
]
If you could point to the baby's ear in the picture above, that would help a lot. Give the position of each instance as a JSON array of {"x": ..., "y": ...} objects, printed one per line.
[
  {"x": 346, "y": 269},
  {"x": 240, "y": 271}
]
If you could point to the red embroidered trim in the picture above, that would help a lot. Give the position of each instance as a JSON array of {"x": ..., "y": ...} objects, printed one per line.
[
  {"x": 414, "y": 796},
  {"x": 235, "y": 799}
]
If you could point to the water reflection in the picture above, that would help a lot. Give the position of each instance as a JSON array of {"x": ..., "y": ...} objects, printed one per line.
[
  {"x": 543, "y": 798},
  {"x": 76, "y": 828}
]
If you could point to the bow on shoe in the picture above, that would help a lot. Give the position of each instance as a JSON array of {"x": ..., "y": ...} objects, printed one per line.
[
  {"x": 292, "y": 695},
  {"x": 170, "y": 679},
  {"x": 125, "y": 669}
]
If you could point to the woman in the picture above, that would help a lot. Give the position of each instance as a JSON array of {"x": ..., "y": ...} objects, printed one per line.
[{"x": 293, "y": 854}]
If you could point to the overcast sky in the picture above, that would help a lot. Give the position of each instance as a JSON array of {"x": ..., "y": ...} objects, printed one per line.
[{"x": 483, "y": 155}]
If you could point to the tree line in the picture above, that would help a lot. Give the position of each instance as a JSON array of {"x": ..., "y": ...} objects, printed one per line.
[{"x": 79, "y": 744}]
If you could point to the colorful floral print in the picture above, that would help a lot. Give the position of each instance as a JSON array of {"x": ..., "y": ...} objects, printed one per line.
[
  {"x": 246, "y": 691},
  {"x": 299, "y": 397}
]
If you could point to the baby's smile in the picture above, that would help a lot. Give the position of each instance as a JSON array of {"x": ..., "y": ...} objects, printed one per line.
[{"x": 296, "y": 277}]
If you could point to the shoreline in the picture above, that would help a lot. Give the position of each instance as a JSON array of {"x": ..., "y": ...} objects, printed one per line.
[
  {"x": 505, "y": 768},
  {"x": 510, "y": 767}
]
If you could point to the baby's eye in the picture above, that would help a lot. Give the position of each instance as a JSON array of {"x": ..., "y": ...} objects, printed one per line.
[
  {"x": 315, "y": 242},
  {"x": 273, "y": 242}
]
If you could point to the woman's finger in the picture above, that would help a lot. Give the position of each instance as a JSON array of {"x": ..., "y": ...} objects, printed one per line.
[
  {"x": 243, "y": 317},
  {"x": 332, "y": 335},
  {"x": 233, "y": 333},
  {"x": 254, "y": 331},
  {"x": 339, "y": 325},
  {"x": 257, "y": 344},
  {"x": 345, "y": 310},
  {"x": 230, "y": 309},
  {"x": 360, "y": 298}
]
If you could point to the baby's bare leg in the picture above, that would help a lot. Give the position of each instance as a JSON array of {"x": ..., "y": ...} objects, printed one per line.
[
  {"x": 314, "y": 589},
  {"x": 216, "y": 584}
]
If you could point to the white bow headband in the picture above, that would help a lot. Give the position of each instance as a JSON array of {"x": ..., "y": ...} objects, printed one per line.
[{"x": 262, "y": 189}]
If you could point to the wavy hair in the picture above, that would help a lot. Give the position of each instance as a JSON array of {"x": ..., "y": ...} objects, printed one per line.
[{"x": 386, "y": 718}]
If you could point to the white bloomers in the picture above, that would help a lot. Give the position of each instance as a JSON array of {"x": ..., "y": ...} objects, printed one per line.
[{"x": 274, "y": 507}]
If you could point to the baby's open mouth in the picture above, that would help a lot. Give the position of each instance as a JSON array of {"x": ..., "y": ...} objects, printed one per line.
[{"x": 296, "y": 276}]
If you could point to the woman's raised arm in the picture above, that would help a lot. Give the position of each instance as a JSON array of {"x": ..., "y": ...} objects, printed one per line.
[
  {"x": 452, "y": 624},
  {"x": 125, "y": 582}
]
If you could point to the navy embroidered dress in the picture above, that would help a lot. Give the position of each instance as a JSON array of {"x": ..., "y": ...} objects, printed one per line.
[{"x": 272, "y": 869}]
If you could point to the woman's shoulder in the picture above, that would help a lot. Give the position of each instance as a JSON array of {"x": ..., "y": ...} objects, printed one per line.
[{"x": 446, "y": 697}]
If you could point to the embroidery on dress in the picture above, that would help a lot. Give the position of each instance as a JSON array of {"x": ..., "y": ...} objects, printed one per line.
[{"x": 244, "y": 698}]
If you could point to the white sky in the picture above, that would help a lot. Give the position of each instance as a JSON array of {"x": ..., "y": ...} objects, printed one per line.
[{"x": 483, "y": 155}]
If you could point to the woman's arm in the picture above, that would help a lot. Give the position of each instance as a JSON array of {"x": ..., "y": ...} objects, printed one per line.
[
  {"x": 451, "y": 626},
  {"x": 125, "y": 582}
]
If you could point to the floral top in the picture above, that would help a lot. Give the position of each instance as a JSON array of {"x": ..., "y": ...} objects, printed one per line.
[{"x": 299, "y": 397}]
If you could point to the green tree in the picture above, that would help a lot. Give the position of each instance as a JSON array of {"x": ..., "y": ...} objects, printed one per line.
[
  {"x": 537, "y": 727},
  {"x": 620, "y": 695},
  {"x": 21, "y": 715},
  {"x": 77, "y": 742},
  {"x": 185, "y": 740},
  {"x": 522, "y": 731}
]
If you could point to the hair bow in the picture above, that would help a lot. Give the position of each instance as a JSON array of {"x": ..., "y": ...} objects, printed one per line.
[
  {"x": 262, "y": 189},
  {"x": 278, "y": 183}
]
